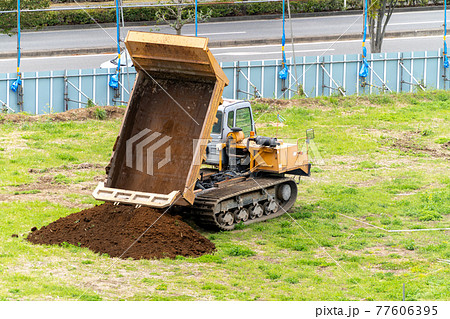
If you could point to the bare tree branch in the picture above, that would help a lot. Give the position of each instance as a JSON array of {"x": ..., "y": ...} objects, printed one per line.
[{"x": 178, "y": 17}]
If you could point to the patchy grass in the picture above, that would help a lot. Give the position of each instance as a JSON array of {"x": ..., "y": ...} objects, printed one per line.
[{"x": 386, "y": 165}]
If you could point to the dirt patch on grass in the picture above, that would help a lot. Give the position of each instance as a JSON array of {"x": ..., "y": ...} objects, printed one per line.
[
  {"x": 46, "y": 189},
  {"x": 124, "y": 231},
  {"x": 275, "y": 102},
  {"x": 82, "y": 166},
  {"x": 284, "y": 104},
  {"x": 408, "y": 145},
  {"x": 12, "y": 141},
  {"x": 270, "y": 124},
  {"x": 58, "y": 185},
  {"x": 408, "y": 142},
  {"x": 112, "y": 112}
]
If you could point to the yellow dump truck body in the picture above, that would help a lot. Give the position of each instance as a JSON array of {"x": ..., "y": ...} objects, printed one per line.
[{"x": 156, "y": 158}]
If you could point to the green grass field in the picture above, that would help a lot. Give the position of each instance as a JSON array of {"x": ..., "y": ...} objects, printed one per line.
[{"x": 385, "y": 163}]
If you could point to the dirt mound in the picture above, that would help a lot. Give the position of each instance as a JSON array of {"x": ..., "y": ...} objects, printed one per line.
[
  {"x": 124, "y": 231},
  {"x": 112, "y": 112}
]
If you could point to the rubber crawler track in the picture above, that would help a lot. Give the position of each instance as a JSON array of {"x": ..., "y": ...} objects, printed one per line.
[{"x": 205, "y": 203}]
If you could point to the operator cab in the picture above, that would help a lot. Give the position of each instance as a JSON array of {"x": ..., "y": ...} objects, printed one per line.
[{"x": 231, "y": 114}]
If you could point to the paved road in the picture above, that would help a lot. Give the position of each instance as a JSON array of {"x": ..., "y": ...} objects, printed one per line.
[
  {"x": 222, "y": 31},
  {"x": 240, "y": 53}
]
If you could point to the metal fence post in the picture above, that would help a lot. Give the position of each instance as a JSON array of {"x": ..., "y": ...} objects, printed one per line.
[
  {"x": 116, "y": 95},
  {"x": 401, "y": 72},
  {"x": 20, "y": 97},
  {"x": 238, "y": 70},
  {"x": 322, "y": 64},
  {"x": 444, "y": 75},
  {"x": 66, "y": 92}
]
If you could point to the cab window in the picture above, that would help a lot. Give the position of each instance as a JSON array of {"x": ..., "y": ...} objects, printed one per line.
[
  {"x": 230, "y": 121},
  {"x": 244, "y": 120},
  {"x": 217, "y": 127}
]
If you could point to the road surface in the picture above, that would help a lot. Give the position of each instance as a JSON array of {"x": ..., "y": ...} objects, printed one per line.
[
  {"x": 222, "y": 31},
  {"x": 225, "y": 31},
  {"x": 240, "y": 53}
]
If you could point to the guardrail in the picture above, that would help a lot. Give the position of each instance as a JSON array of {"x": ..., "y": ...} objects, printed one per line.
[{"x": 58, "y": 91}]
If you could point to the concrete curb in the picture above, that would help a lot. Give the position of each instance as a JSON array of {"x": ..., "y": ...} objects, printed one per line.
[
  {"x": 226, "y": 43},
  {"x": 59, "y": 52}
]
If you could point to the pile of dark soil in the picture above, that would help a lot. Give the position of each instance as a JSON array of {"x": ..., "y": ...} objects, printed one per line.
[
  {"x": 123, "y": 231},
  {"x": 112, "y": 112}
]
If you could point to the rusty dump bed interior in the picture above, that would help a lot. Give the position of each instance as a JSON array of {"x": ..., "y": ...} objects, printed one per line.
[{"x": 156, "y": 159}]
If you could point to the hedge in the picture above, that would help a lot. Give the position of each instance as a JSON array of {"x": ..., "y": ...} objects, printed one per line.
[{"x": 77, "y": 17}]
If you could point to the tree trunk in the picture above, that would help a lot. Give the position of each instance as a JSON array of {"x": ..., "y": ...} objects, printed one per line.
[
  {"x": 179, "y": 24},
  {"x": 378, "y": 19},
  {"x": 376, "y": 48}
]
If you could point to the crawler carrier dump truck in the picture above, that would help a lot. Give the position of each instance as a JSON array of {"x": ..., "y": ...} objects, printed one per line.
[{"x": 181, "y": 144}]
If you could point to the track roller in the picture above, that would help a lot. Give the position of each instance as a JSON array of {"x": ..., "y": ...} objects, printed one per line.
[
  {"x": 241, "y": 215},
  {"x": 250, "y": 201},
  {"x": 270, "y": 207},
  {"x": 256, "y": 211},
  {"x": 226, "y": 219}
]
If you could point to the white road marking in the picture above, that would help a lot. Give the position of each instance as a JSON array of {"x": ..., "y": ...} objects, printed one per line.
[
  {"x": 413, "y": 38},
  {"x": 288, "y": 45},
  {"x": 106, "y": 56},
  {"x": 415, "y": 12},
  {"x": 276, "y": 52},
  {"x": 420, "y": 22},
  {"x": 218, "y": 33}
]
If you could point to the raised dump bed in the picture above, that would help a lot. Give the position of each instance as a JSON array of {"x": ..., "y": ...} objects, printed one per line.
[{"x": 173, "y": 104}]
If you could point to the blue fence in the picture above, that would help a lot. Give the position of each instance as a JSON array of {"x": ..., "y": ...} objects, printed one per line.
[
  {"x": 338, "y": 74},
  {"x": 57, "y": 91}
]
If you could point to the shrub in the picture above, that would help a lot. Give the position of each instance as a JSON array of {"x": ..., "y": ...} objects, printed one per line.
[
  {"x": 72, "y": 1},
  {"x": 100, "y": 114},
  {"x": 90, "y": 103}
]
